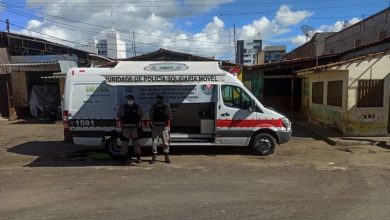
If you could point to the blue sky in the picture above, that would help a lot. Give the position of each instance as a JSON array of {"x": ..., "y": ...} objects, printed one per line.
[{"x": 203, "y": 27}]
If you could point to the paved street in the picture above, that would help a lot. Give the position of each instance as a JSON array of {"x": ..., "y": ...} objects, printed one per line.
[{"x": 44, "y": 178}]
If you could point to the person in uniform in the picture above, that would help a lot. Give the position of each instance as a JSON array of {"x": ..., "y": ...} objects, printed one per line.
[
  {"x": 160, "y": 115},
  {"x": 130, "y": 115}
]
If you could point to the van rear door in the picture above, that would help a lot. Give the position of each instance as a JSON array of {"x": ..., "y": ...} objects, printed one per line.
[
  {"x": 234, "y": 116},
  {"x": 92, "y": 109}
]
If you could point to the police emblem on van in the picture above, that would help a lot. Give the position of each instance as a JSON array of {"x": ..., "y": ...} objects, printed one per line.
[{"x": 166, "y": 67}]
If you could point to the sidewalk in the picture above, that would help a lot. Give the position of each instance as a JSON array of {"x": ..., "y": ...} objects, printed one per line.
[{"x": 336, "y": 138}]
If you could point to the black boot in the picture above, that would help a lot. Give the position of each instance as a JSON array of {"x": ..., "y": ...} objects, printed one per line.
[
  {"x": 167, "y": 160},
  {"x": 138, "y": 158},
  {"x": 153, "y": 159}
]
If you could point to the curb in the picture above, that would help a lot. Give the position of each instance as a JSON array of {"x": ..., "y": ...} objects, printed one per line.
[{"x": 338, "y": 141}]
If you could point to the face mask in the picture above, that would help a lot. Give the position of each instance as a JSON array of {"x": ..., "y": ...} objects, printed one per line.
[
  {"x": 159, "y": 101},
  {"x": 130, "y": 102}
]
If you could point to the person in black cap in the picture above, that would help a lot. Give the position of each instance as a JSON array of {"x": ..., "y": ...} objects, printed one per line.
[
  {"x": 160, "y": 115},
  {"x": 130, "y": 115}
]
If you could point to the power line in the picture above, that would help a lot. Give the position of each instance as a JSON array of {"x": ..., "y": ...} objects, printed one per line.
[
  {"x": 316, "y": 8},
  {"x": 93, "y": 25},
  {"x": 97, "y": 33},
  {"x": 193, "y": 39},
  {"x": 42, "y": 41},
  {"x": 82, "y": 43},
  {"x": 151, "y": 4}
]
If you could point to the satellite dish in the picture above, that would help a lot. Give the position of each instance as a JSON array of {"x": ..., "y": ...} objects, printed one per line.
[{"x": 308, "y": 31}]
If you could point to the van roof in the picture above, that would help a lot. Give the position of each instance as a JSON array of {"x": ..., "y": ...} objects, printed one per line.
[
  {"x": 163, "y": 72},
  {"x": 162, "y": 67}
]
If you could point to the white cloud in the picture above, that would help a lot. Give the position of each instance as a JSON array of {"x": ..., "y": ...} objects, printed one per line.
[
  {"x": 200, "y": 6},
  {"x": 335, "y": 27},
  {"x": 33, "y": 24},
  {"x": 265, "y": 28},
  {"x": 299, "y": 40},
  {"x": 338, "y": 25},
  {"x": 286, "y": 17},
  {"x": 154, "y": 24}
]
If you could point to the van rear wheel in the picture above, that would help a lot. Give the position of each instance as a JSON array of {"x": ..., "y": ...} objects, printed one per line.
[
  {"x": 113, "y": 149},
  {"x": 263, "y": 144}
]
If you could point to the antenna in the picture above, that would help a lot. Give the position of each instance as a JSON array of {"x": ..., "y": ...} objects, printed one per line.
[
  {"x": 308, "y": 31},
  {"x": 112, "y": 21},
  {"x": 133, "y": 45},
  {"x": 234, "y": 37}
]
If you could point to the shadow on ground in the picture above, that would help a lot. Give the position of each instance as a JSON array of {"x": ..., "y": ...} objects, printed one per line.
[
  {"x": 34, "y": 121},
  {"x": 302, "y": 132},
  {"x": 60, "y": 154},
  {"x": 384, "y": 145}
]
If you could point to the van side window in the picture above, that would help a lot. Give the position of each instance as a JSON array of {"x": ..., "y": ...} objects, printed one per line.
[{"x": 235, "y": 97}]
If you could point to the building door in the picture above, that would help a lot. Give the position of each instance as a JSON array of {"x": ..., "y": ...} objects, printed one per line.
[{"x": 4, "y": 104}]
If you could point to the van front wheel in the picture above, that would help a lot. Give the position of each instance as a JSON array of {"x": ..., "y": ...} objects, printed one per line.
[{"x": 263, "y": 144}]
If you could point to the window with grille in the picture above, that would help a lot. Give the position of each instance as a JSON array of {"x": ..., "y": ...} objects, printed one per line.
[
  {"x": 370, "y": 93},
  {"x": 335, "y": 93},
  {"x": 317, "y": 96}
]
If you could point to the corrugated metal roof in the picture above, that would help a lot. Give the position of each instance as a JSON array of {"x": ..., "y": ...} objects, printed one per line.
[
  {"x": 324, "y": 67},
  {"x": 27, "y": 64}
]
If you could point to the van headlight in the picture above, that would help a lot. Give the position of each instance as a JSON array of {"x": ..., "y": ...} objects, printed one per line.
[{"x": 286, "y": 123}]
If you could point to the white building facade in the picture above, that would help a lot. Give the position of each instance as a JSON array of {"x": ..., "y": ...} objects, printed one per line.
[{"x": 110, "y": 46}]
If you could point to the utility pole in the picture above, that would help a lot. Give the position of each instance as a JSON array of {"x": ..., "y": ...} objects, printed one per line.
[
  {"x": 234, "y": 40},
  {"x": 7, "y": 25},
  {"x": 133, "y": 45},
  {"x": 316, "y": 44}
]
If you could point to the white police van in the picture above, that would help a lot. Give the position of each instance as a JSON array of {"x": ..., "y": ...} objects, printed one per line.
[{"x": 209, "y": 106}]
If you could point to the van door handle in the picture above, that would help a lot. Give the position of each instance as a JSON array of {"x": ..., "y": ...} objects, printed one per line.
[{"x": 225, "y": 115}]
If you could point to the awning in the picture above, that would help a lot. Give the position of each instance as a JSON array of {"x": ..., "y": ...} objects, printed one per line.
[
  {"x": 54, "y": 66},
  {"x": 27, "y": 64},
  {"x": 43, "y": 66},
  {"x": 53, "y": 77}
]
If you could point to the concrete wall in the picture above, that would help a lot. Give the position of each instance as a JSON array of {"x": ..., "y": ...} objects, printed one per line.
[
  {"x": 316, "y": 46},
  {"x": 373, "y": 120},
  {"x": 366, "y": 31}
]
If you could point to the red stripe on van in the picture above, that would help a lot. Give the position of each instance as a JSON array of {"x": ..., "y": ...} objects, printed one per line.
[{"x": 250, "y": 123}]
